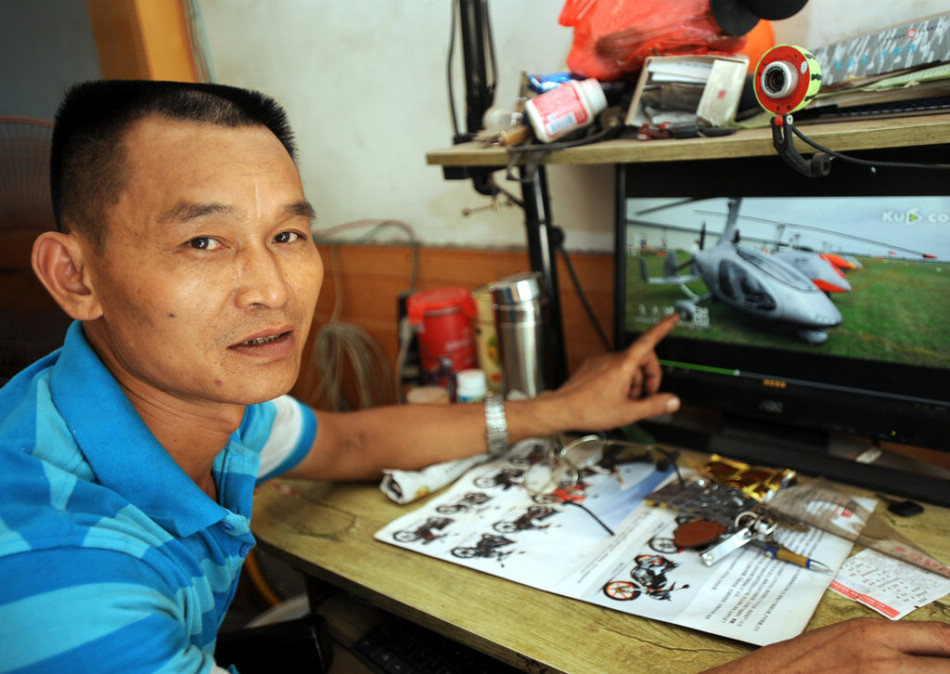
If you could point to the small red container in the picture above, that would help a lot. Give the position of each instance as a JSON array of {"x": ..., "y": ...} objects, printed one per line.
[{"x": 443, "y": 322}]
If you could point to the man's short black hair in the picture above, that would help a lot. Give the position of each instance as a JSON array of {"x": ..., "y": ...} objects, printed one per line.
[{"x": 87, "y": 162}]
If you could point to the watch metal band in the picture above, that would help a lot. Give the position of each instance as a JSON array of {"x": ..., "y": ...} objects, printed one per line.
[{"x": 496, "y": 424}]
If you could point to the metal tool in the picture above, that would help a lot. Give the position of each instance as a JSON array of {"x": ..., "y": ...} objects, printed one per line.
[
  {"x": 758, "y": 530},
  {"x": 749, "y": 526}
]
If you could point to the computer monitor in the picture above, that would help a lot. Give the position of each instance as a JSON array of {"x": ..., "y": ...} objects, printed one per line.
[{"x": 816, "y": 311}]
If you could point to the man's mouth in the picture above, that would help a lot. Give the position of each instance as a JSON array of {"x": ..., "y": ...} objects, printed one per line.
[
  {"x": 257, "y": 341},
  {"x": 275, "y": 343}
]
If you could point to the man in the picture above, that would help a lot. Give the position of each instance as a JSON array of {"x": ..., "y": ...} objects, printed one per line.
[{"x": 128, "y": 457}]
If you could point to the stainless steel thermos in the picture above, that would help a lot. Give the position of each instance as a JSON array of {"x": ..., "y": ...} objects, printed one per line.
[{"x": 520, "y": 305}]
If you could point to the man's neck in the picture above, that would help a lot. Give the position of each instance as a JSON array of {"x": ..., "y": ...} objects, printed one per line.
[
  {"x": 193, "y": 437},
  {"x": 193, "y": 432}
]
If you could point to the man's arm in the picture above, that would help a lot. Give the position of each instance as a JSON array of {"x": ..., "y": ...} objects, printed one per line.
[
  {"x": 860, "y": 645},
  {"x": 608, "y": 391}
]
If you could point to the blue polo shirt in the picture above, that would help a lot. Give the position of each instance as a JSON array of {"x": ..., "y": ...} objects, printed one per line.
[{"x": 111, "y": 557}]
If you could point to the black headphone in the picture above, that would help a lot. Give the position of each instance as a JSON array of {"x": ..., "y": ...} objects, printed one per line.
[{"x": 738, "y": 17}]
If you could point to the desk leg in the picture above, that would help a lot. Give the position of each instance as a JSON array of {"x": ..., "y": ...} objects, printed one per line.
[
  {"x": 541, "y": 252},
  {"x": 620, "y": 252}
]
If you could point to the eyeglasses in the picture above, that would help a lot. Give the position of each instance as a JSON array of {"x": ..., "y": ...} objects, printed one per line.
[
  {"x": 562, "y": 466},
  {"x": 561, "y": 471},
  {"x": 559, "y": 474}
]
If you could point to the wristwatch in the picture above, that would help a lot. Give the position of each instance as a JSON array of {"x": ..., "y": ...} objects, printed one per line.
[{"x": 496, "y": 424}]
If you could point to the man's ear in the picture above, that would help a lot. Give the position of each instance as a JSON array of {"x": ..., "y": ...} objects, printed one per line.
[{"x": 59, "y": 262}]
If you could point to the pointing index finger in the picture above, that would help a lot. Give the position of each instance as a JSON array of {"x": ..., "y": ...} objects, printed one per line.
[{"x": 649, "y": 339}]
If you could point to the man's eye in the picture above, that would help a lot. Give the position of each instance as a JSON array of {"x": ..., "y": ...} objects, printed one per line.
[
  {"x": 287, "y": 237},
  {"x": 204, "y": 243}
]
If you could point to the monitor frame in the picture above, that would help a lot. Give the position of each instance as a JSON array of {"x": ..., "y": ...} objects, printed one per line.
[{"x": 805, "y": 435}]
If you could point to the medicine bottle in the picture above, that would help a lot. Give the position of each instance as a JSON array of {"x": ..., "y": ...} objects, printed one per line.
[
  {"x": 470, "y": 386},
  {"x": 571, "y": 106}
]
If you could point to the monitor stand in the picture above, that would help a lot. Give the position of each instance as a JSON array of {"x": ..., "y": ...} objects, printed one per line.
[{"x": 845, "y": 459}]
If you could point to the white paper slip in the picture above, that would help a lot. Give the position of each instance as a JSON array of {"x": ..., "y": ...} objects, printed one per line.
[
  {"x": 888, "y": 585},
  {"x": 672, "y": 70}
]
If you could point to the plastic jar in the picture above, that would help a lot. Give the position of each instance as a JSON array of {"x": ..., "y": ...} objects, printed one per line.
[
  {"x": 471, "y": 386},
  {"x": 486, "y": 339},
  {"x": 571, "y": 106},
  {"x": 442, "y": 319}
]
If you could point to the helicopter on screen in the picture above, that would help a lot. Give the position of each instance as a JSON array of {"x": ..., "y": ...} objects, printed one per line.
[
  {"x": 751, "y": 282},
  {"x": 826, "y": 270},
  {"x": 826, "y": 276},
  {"x": 843, "y": 262},
  {"x": 825, "y": 273}
]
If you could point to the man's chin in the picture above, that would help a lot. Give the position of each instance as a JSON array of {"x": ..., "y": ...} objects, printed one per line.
[
  {"x": 263, "y": 394},
  {"x": 251, "y": 391}
]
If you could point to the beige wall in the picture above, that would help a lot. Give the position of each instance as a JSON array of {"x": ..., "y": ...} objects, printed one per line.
[{"x": 365, "y": 84}]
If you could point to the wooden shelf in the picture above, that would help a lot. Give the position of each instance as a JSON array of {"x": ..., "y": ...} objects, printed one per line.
[{"x": 865, "y": 134}]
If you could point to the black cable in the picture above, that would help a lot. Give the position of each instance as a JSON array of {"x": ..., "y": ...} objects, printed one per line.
[
  {"x": 511, "y": 197},
  {"x": 591, "y": 513},
  {"x": 863, "y": 162},
  {"x": 537, "y": 151},
  {"x": 448, "y": 70},
  {"x": 574, "y": 277},
  {"x": 490, "y": 44},
  {"x": 550, "y": 147},
  {"x": 583, "y": 297},
  {"x": 544, "y": 149}
]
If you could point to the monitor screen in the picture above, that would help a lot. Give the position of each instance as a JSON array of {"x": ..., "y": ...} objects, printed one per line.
[{"x": 809, "y": 306}]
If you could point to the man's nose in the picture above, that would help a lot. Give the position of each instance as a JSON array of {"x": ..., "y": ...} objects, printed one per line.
[{"x": 261, "y": 281}]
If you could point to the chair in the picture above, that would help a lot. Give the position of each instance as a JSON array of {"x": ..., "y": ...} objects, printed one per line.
[
  {"x": 300, "y": 645},
  {"x": 31, "y": 323}
]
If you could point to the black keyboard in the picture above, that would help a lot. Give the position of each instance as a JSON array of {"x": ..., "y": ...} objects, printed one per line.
[{"x": 398, "y": 646}]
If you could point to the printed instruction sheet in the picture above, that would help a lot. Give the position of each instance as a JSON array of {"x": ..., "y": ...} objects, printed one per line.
[{"x": 488, "y": 521}]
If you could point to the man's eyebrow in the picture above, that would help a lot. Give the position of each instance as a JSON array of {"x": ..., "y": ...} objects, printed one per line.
[
  {"x": 302, "y": 209},
  {"x": 189, "y": 210}
]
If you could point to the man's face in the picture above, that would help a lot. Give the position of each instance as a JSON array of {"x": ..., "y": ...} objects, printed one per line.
[{"x": 208, "y": 277}]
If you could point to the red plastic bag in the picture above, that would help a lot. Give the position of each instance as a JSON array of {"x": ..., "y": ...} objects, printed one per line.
[{"x": 612, "y": 38}]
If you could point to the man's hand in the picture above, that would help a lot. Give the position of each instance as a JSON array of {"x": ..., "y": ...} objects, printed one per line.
[
  {"x": 865, "y": 645},
  {"x": 606, "y": 392},
  {"x": 617, "y": 388}
]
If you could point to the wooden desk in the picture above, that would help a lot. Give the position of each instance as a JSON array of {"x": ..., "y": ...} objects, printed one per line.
[{"x": 326, "y": 531}]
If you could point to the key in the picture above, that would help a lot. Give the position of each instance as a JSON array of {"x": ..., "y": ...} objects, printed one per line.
[
  {"x": 749, "y": 526},
  {"x": 727, "y": 545},
  {"x": 763, "y": 527}
]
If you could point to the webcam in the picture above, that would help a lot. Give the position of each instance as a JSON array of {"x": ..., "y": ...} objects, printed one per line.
[{"x": 787, "y": 78}]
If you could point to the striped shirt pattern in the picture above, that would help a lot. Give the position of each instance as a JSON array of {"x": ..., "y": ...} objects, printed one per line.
[{"x": 111, "y": 557}]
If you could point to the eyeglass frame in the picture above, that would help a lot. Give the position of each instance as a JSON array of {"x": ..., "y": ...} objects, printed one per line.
[{"x": 557, "y": 458}]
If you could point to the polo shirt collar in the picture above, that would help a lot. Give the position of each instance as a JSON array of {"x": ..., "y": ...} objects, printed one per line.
[{"x": 120, "y": 449}]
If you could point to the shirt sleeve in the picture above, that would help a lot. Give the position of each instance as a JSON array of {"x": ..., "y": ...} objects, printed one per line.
[
  {"x": 286, "y": 429},
  {"x": 91, "y": 610}
]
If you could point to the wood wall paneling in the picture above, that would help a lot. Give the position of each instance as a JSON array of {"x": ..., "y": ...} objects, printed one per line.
[{"x": 142, "y": 39}]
